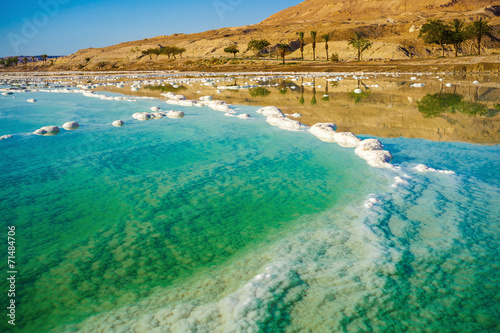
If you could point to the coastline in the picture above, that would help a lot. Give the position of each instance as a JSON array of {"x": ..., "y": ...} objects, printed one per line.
[{"x": 463, "y": 65}]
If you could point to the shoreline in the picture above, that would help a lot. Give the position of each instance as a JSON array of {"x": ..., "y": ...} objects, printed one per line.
[{"x": 463, "y": 65}]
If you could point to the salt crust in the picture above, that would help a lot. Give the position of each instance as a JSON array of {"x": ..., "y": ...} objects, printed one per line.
[
  {"x": 276, "y": 118},
  {"x": 424, "y": 168},
  {"x": 70, "y": 125},
  {"x": 47, "y": 131}
]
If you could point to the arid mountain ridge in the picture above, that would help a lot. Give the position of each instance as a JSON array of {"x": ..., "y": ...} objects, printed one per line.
[{"x": 393, "y": 26}]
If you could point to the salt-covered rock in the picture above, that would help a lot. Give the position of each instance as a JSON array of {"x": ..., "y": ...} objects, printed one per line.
[
  {"x": 370, "y": 144},
  {"x": 187, "y": 102},
  {"x": 270, "y": 111},
  {"x": 284, "y": 123},
  {"x": 71, "y": 125},
  {"x": 206, "y": 98},
  {"x": 371, "y": 150},
  {"x": 324, "y": 131},
  {"x": 47, "y": 131},
  {"x": 156, "y": 115},
  {"x": 141, "y": 116},
  {"x": 4, "y": 137},
  {"x": 175, "y": 114},
  {"x": 244, "y": 116},
  {"x": 118, "y": 123},
  {"x": 346, "y": 139},
  {"x": 31, "y": 100},
  {"x": 155, "y": 108}
]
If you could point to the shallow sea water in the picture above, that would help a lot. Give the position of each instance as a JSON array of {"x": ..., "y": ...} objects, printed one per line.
[{"x": 210, "y": 223}]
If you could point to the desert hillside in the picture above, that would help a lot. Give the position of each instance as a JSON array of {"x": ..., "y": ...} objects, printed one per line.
[{"x": 392, "y": 26}]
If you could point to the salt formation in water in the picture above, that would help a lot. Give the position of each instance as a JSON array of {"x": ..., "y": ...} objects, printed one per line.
[
  {"x": 371, "y": 150},
  {"x": 155, "y": 108},
  {"x": 118, "y": 123},
  {"x": 31, "y": 100},
  {"x": 47, "y": 131},
  {"x": 175, "y": 114},
  {"x": 327, "y": 132},
  {"x": 424, "y": 168},
  {"x": 276, "y": 118},
  {"x": 142, "y": 116},
  {"x": 244, "y": 116},
  {"x": 3, "y": 137},
  {"x": 71, "y": 125}
]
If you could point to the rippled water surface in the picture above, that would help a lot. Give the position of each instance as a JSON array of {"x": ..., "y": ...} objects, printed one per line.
[{"x": 211, "y": 223}]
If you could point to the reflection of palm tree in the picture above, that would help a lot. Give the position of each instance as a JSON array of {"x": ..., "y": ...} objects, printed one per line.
[
  {"x": 313, "y": 100},
  {"x": 326, "y": 98},
  {"x": 301, "y": 100}
]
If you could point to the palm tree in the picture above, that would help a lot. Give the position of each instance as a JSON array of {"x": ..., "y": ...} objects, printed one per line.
[
  {"x": 458, "y": 33},
  {"x": 25, "y": 61},
  {"x": 301, "y": 38},
  {"x": 313, "y": 36},
  {"x": 44, "y": 58},
  {"x": 283, "y": 49},
  {"x": 478, "y": 29},
  {"x": 33, "y": 59},
  {"x": 360, "y": 43},
  {"x": 436, "y": 31},
  {"x": 326, "y": 38}
]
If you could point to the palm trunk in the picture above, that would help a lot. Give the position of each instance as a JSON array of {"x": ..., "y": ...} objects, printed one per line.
[
  {"x": 301, "y": 51},
  {"x": 359, "y": 55},
  {"x": 442, "y": 47},
  {"x": 283, "y": 59},
  {"x": 479, "y": 46},
  {"x": 456, "y": 50},
  {"x": 314, "y": 51},
  {"x": 326, "y": 47}
]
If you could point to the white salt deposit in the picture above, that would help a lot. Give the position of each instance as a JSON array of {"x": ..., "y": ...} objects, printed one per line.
[
  {"x": 276, "y": 118},
  {"x": 4, "y": 137},
  {"x": 175, "y": 114},
  {"x": 118, "y": 123},
  {"x": 31, "y": 100},
  {"x": 424, "y": 168},
  {"x": 70, "y": 125},
  {"x": 371, "y": 150},
  {"x": 47, "y": 131},
  {"x": 324, "y": 131},
  {"x": 244, "y": 116}
]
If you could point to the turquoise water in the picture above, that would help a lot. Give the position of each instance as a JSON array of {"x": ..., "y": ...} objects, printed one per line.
[{"x": 209, "y": 223}]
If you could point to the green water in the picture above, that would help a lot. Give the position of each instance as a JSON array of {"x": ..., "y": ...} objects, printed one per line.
[{"x": 106, "y": 216}]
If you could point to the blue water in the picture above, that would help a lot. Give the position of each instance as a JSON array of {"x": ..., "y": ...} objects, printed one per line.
[{"x": 210, "y": 223}]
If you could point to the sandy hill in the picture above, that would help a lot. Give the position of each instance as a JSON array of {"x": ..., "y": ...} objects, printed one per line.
[
  {"x": 391, "y": 24},
  {"x": 311, "y": 11}
]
